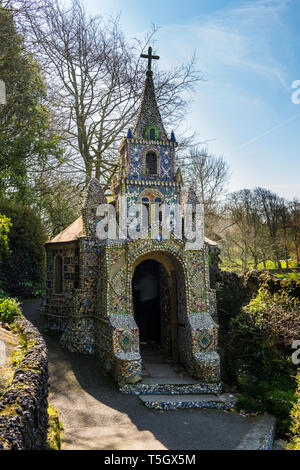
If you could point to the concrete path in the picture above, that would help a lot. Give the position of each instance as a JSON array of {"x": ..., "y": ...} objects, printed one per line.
[{"x": 96, "y": 416}]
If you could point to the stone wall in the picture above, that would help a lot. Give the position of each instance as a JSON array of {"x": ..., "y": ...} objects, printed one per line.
[
  {"x": 59, "y": 305},
  {"x": 23, "y": 406}
]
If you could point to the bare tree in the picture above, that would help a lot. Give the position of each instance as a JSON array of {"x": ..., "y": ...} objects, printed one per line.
[
  {"x": 95, "y": 79},
  {"x": 294, "y": 227},
  {"x": 209, "y": 175},
  {"x": 260, "y": 226},
  {"x": 245, "y": 242},
  {"x": 270, "y": 207}
]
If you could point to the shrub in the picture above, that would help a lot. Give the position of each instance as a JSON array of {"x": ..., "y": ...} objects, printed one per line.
[
  {"x": 294, "y": 444},
  {"x": 258, "y": 354},
  {"x": 231, "y": 296},
  {"x": 5, "y": 225},
  {"x": 23, "y": 270},
  {"x": 261, "y": 335},
  {"x": 253, "y": 280},
  {"x": 9, "y": 310},
  {"x": 3, "y": 294},
  {"x": 235, "y": 291},
  {"x": 55, "y": 429}
]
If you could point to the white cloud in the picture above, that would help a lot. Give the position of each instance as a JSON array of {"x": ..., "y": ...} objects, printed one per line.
[{"x": 242, "y": 39}]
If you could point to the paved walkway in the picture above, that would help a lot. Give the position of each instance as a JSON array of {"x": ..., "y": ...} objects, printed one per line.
[{"x": 96, "y": 416}]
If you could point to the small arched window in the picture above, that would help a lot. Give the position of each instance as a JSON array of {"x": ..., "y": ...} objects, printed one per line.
[
  {"x": 58, "y": 275},
  {"x": 152, "y": 134},
  {"x": 151, "y": 164}
]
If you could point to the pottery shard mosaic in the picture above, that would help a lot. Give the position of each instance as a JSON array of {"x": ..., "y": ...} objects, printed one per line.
[{"x": 92, "y": 294}]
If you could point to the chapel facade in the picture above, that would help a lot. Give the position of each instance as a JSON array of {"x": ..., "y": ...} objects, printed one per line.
[{"x": 90, "y": 294}]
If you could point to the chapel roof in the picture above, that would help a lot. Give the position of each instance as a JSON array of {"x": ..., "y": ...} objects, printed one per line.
[
  {"x": 148, "y": 113},
  {"x": 69, "y": 234}
]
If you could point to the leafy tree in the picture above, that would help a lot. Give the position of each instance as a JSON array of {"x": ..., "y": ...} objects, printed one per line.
[
  {"x": 58, "y": 200},
  {"x": 25, "y": 134},
  {"x": 5, "y": 225}
]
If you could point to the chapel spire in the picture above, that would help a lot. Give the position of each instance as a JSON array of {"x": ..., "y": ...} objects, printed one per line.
[{"x": 148, "y": 115}]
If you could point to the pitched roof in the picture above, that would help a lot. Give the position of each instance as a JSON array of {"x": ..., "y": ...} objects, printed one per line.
[
  {"x": 148, "y": 113},
  {"x": 210, "y": 242},
  {"x": 69, "y": 234}
]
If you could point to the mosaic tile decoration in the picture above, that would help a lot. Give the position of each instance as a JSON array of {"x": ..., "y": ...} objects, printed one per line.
[
  {"x": 191, "y": 404},
  {"x": 170, "y": 389}
]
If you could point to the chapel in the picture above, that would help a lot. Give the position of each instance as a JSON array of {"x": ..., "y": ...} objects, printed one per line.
[{"x": 109, "y": 297}]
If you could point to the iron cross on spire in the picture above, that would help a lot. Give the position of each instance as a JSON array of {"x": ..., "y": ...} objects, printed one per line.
[{"x": 149, "y": 56}]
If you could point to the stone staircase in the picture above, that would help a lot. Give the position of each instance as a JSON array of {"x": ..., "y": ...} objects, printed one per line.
[
  {"x": 163, "y": 387},
  {"x": 170, "y": 386},
  {"x": 172, "y": 402}
]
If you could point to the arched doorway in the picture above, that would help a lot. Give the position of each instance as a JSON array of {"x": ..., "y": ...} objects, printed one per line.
[
  {"x": 146, "y": 300},
  {"x": 159, "y": 303}
]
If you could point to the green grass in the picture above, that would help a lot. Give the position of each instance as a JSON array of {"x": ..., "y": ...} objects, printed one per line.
[
  {"x": 288, "y": 276},
  {"x": 260, "y": 267},
  {"x": 271, "y": 265}
]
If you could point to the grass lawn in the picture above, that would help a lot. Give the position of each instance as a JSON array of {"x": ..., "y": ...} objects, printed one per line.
[
  {"x": 225, "y": 266},
  {"x": 271, "y": 265},
  {"x": 288, "y": 276}
]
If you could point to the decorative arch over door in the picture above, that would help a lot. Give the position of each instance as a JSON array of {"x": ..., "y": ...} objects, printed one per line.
[{"x": 176, "y": 272}]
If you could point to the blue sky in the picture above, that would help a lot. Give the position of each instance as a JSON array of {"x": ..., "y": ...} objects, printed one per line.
[{"x": 249, "y": 53}]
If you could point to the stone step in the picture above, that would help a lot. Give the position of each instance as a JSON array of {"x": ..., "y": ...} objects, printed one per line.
[
  {"x": 159, "y": 370},
  {"x": 170, "y": 380},
  {"x": 172, "y": 402},
  {"x": 170, "y": 386}
]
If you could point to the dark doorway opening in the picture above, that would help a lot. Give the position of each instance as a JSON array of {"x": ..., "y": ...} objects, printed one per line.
[{"x": 146, "y": 301}]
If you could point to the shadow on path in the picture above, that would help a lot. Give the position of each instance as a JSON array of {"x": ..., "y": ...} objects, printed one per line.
[{"x": 96, "y": 416}]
